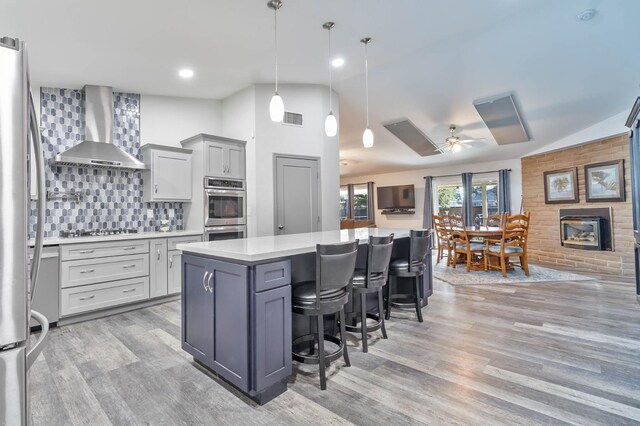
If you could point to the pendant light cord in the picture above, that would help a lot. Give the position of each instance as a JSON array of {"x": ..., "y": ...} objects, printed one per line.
[
  {"x": 275, "y": 20},
  {"x": 330, "y": 75},
  {"x": 366, "y": 77}
]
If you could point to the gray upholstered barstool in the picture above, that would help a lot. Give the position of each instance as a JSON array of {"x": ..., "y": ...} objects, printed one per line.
[
  {"x": 335, "y": 265},
  {"x": 371, "y": 280},
  {"x": 412, "y": 266}
]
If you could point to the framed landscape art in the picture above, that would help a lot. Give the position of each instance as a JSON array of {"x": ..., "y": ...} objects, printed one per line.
[
  {"x": 604, "y": 182},
  {"x": 561, "y": 186}
]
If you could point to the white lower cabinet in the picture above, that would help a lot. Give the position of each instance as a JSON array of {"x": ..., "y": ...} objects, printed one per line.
[
  {"x": 158, "y": 268},
  {"x": 174, "y": 275},
  {"x": 102, "y": 275}
]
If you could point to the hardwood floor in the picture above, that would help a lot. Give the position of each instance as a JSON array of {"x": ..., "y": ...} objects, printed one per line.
[{"x": 540, "y": 353}]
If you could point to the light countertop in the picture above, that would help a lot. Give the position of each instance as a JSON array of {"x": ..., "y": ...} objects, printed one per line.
[
  {"x": 55, "y": 241},
  {"x": 272, "y": 247}
]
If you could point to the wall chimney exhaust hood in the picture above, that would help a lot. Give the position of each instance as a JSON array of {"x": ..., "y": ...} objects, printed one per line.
[{"x": 98, "y": 149}]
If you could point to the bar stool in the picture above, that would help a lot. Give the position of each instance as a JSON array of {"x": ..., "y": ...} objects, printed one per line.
[
  {"x": 335, "y": 265},
  {"x": 412, "y": 266},
  {"x": 371, "y": 280}
]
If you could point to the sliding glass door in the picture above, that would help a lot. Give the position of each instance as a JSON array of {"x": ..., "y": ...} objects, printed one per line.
[{"x": 484, "y": 196}]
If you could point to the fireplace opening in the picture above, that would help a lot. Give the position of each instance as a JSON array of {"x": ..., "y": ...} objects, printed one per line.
[{"x": 586, "y": 233}]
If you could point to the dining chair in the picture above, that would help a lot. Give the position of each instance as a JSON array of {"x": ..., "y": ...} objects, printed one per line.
[
  {"x": 513, "y": 243},
  {"x": 444, "y": 238},
  {"x": 463, "y": 245},
  {"x": 496, "y": 220}
]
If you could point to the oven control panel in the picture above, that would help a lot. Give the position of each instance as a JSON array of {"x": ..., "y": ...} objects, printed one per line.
[{"x": 223, "y": 183}]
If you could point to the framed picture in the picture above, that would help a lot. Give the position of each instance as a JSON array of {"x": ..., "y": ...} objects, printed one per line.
[
  {"x": 561, "y": 186},
  {"x": 604, "y": 182}
]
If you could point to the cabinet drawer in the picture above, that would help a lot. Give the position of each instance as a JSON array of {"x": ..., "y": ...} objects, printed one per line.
[
  {"x": 102, "y": 249},
  {"x": 105, "y": 295},
  {"x": 183, "y": 240},
  {"x": 272, "y": 275},
  {"x": 92, "y": 271}
]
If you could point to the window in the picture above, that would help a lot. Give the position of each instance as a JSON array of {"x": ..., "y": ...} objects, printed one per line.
[
  {"x": 449, "y": 199},
  {"x": 354, "y": 202},
  {"x": 360, "y": 202},
  {"x": 484, "y": 196},
  {"x": 344, "y": 202}
]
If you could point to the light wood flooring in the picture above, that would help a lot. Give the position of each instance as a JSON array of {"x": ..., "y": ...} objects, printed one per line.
[{"x": 540, "y": 353}]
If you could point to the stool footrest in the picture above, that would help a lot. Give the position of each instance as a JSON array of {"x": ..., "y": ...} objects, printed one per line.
[
  {"x": 315, "y": 359},
  {"x": 370, "y": 328}
]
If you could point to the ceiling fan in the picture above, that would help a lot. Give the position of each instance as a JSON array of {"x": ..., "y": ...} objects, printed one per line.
[{"x": 454, "y": 144}]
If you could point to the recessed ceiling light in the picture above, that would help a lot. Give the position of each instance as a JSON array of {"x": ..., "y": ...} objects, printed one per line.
[
  {"x": 587, "y": 14},
  {"x": 185, "y": 73},
  {"x": 337, "y": 62}
]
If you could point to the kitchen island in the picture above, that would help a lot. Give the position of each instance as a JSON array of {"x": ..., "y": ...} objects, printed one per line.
[{"x": 236, "y": 302}]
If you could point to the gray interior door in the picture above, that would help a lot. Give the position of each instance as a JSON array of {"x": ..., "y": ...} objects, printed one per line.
[{"x": 297, "y": 195}]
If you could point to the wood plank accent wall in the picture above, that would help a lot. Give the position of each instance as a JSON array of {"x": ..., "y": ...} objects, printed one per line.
[{"x": 544, "y": 235}]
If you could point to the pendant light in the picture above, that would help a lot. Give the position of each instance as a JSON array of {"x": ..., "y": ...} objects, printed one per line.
[
  {"x": 330, "y": 123},
  {"x": 276, "y": 106},
  {"x": 367, "y": 136}
]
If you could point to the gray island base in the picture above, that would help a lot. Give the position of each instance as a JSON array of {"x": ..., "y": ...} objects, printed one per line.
[{"x": 236, "y": 303}]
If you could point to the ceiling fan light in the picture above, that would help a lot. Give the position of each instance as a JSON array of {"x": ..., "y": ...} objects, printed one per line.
[
  {"x": 367, "y": 138},
  {"x": 331, "y": 125},
  {"x": 456, "y": 147},
  {"x": 276, "y": 108}
]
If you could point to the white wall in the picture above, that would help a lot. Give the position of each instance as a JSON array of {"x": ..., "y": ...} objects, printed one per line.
[
  {"x": 239, "y": 122},
  {"x": 275, "y": 138},
  {"x": 416, "y": 177},
  {"x": 167, "y": 120}
]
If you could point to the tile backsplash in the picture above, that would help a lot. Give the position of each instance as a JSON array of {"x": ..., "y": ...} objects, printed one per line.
[{"x": 109, "y": 198}]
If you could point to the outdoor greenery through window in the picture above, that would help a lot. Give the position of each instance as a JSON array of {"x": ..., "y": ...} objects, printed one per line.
[
  {"x": 344, "y": 202},
  {"x": 360, "y": 202},
  {"x": 484, "y": 197}
]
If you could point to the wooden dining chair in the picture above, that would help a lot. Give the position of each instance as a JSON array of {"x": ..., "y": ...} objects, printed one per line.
[
  {"x": 496, "y": 220},
  {"x": 462, "y": 245},
  {"x": 444, "y": 238},
  {"x": 513, "y": 243}
]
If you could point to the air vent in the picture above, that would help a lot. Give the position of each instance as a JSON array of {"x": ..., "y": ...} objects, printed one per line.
[
  {"x": 408, "y": 133},
  {"x": 292, "y": 119},
  {"x": 503, "y": 120}
]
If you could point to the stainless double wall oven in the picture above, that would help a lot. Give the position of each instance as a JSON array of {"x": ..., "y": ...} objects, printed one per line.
[{"x": 225, "y": 209}]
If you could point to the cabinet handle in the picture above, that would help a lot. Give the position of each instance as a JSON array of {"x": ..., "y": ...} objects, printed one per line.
[
  {"x": 129, "y": 248},
  {"x": 129, "y": 266},
  {"x": 209, "y": 283},
  {"x": 156, "y": 188},
  {"x": 204, "y": 279},
  {"x": 88, "y": 297},
  {"x": 87, "y": 271},
  {"x": 158, "y": 254},
  {"x": 171, "y": 262},
  {"x": 86, "y": 251},
  {"x": 129, "y": 291}
]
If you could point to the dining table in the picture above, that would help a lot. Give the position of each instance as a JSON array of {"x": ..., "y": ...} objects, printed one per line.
[{"x": 484, "y": 232}]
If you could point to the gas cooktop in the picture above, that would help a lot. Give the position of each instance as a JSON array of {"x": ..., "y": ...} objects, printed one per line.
[{"x": 96, "y": 232}]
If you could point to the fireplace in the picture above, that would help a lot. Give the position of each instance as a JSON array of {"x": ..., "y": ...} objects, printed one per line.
[{"x": 583, "y": 232}]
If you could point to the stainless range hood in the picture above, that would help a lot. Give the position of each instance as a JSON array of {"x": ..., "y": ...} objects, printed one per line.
[{"x": 98, "y": 149}]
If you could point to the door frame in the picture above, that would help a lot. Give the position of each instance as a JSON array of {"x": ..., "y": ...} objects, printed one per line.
[{"x": 275, "y": 186}]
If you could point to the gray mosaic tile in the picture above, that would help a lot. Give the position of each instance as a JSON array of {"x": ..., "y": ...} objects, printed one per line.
[{"x": 110, "y": 198}]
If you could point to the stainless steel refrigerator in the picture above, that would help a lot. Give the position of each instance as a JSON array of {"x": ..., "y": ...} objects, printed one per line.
[{"x": 19, "y": 140}]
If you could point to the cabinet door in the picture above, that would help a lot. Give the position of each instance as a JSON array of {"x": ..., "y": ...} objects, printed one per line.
[
  {"x": 235, "y": 162},
  {"x": 215, "y": 161},
  {"x": 171, "y": 176},
  {"x": 174, "y": 272},
  {"x": 272, "y": 325},
  {"x": 158, "y": 267},
  {"x": 197, "y": 308},
  {"x": 231, "y": 331}
]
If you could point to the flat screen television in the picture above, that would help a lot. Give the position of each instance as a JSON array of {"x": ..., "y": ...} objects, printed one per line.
[{"x": 396, "y": 197}]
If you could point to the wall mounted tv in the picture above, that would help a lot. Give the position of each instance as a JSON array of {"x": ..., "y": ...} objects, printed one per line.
[{"x": 400, "y": 197}]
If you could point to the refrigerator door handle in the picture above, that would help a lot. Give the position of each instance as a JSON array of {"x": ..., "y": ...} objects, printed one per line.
[
  {"x": 35, "y": 350},
  {"x": 38, "y": 156}
]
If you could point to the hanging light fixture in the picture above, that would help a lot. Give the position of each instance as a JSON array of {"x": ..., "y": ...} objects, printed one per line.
[
  {"x": 276, "y": 106},
  {"x": 330, "y": 123},
  {"x": 367, "y": 136}
]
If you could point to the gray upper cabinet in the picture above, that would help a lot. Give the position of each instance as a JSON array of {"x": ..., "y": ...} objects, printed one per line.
[
  {"x": 168, "y": 174},
  {"x": 224, "y": 159}
]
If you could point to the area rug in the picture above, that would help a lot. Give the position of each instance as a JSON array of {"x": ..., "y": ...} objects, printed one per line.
[{"x": 460, "y": 276}]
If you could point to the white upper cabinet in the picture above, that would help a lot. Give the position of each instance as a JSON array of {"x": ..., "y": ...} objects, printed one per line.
[
  {"x": 168, "y": 174},
  {"x": 224, "y": 159}
]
